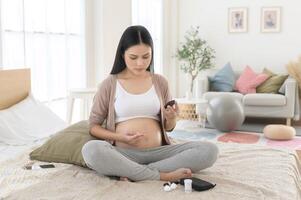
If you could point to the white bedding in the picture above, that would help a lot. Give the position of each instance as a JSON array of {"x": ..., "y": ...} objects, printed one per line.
[
  {"x": 12, "y": 151},
  {"x": 28, "y": 121},
  {"x": 241, "y": 172}
]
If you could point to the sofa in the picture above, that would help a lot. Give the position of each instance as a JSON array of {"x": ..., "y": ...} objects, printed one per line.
[{"x": 265, "y": 105}]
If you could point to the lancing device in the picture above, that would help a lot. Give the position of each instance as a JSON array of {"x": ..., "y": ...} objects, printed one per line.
[
  {"x": 170, "y": 103},
  {"x": 34, "y": 167}
]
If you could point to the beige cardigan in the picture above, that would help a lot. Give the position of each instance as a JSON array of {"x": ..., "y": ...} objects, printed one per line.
[{"x": 103, "y": 103}]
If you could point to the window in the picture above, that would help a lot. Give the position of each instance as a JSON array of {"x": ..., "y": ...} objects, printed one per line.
[
  {"x": 149, "y": 14},
  {"x": 48, "y": 37}
]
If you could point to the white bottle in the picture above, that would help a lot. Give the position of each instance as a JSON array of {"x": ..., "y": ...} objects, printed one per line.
[{"x": 188, "y": 185}]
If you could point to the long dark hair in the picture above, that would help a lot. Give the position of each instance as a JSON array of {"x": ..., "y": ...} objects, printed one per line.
[{"x": 133, "y": 35}]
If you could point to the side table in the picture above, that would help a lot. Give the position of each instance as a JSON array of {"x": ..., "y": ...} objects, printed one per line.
[
  {"x": 84, "y": 94},
  {"x": 193, "y": 109}
]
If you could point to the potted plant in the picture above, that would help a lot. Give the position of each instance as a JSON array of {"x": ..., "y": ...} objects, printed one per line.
[{"x": 194, "y": 55}]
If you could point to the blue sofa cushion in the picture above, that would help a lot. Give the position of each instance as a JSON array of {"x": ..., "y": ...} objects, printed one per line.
[{"x": 223, "y": 80}]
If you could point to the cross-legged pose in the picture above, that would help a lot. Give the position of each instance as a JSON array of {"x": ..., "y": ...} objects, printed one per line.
[{"x": 129, "y": 119}]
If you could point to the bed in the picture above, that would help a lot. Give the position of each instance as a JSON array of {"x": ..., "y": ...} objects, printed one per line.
[{"x": 241, "y": 172}]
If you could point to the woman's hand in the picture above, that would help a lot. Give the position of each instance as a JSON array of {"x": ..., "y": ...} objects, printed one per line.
[
  {"x": 132, "y": 138},
  {"x": 171, "y": 112}
]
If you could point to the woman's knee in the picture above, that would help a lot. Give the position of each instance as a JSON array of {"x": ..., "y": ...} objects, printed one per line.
[
  {"x": 212, "y": 153},
  {"x": 94, "y": 148},
  {"x": 206, "y": 153}
]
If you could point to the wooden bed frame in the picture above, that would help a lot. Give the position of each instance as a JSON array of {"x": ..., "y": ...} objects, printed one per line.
[{"x": 14, "y": 86}]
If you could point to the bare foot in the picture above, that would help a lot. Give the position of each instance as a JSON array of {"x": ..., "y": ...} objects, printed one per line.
[
  {"x": 176, "y": 175},
  {"x": 124, "y": 179}
]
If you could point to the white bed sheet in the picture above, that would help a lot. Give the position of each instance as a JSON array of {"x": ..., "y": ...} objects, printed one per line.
[{"x": 12, "y": 151}]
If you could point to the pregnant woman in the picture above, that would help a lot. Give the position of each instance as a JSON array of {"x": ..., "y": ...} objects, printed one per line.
[{"x": 129, "y": 119}]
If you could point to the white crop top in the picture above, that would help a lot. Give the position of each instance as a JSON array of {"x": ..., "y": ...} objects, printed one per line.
[{"x": 130, "y": 106}]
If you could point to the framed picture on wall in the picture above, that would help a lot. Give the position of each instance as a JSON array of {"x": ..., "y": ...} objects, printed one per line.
[
  {"x": 238, "y": 20},
  {"x": 270, "y": 19}
]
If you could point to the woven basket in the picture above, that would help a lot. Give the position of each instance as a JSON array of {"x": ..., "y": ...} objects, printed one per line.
[{"x": 188, "y": 112}]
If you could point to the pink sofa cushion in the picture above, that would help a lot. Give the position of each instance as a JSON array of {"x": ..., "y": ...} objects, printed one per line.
[{"x": 249, "y": 80}]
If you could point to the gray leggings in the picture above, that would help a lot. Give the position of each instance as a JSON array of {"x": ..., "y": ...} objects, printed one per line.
[{"x": 146, "y": 164}]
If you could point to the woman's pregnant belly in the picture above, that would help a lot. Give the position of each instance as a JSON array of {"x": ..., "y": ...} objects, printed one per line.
[{"x": 150, "y": 129}]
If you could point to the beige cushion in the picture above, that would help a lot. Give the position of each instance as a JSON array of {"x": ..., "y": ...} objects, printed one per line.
[
  {"x": 65, "y": 146},
  {"x": 210, "y": 95},
  {"x": 264, "y": 99},
  {"x": 272, "y": 84},
  {"x": 279, "y": 132}
]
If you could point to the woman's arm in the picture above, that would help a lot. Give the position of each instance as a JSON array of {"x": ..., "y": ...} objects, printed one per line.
[
  {"x": 171, "y": 113},
  {"x": 104, "y": 134},
  {"x": 170, "y": 124}
]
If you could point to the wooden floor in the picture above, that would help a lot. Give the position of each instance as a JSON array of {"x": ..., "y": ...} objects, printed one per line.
[
  {"x": 298, "y": 123},
  {"x": 272, "y": 121}
]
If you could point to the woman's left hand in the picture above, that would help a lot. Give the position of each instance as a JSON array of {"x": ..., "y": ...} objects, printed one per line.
[{"x": 171, "y": 112}]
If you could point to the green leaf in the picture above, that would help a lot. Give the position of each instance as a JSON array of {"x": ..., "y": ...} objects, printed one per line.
[{"x": 194, "y": 54}]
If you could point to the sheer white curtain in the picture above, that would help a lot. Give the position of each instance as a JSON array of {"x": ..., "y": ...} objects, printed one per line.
[
  {"x": 48, "y": 37},
  {"x": 149, "y": 14}
]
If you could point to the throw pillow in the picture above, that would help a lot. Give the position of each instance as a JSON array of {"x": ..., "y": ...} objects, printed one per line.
[
  {"x": 249, "y": 80},
  {"x": 28, "y": 121},
  {"x": 282, "y": 88},
  {"x": 65, "y": 146},
  {"x": 272, "y": 84},
  {"x": 223, "y": 80}
]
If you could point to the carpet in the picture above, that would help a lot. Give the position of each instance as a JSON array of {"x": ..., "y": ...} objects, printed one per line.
[
  {"x": 190, "y": 130},
  {"x": 255, "y": 127}
]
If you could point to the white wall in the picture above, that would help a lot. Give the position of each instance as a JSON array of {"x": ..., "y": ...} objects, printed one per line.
[
  {"x": 170, "y": 41},
  {"x": 253, "y": 48},
  {"x": 90, "y": 58},
  {"x": 107, "y": 19}
]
